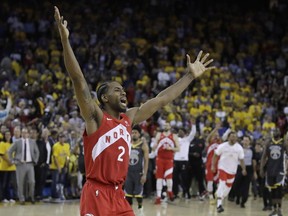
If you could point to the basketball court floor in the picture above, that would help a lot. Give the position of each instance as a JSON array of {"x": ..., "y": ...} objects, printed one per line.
[{"x": 179, "y": 207}]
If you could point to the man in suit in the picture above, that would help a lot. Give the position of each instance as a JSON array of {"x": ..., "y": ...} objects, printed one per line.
[{"x": 24, "y": 154}]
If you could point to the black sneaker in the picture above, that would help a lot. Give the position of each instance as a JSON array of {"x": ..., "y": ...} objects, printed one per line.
[
  {"x": 187, "y": 196},
  {"x": 237, "y": 201},
  {"x": 242, "y": 205},
  {"x": 220, "y": 209},
  {"x": 231, "y": 199},
  {"x": 274, "y": 213}
]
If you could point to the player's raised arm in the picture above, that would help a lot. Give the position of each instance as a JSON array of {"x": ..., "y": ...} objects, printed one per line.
[
  {"x": 90, "y": 111},
  {"x": 194, "y": 70}
]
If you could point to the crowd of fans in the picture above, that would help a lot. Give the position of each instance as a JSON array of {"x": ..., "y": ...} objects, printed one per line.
[{"x": 142, "y": 45}]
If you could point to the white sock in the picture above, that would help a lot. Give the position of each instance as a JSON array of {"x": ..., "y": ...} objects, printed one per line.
[
  {"x": 219, "y": 202},
  {"x": 159, "y": 186},
  {"x": 169, "y": 184}
]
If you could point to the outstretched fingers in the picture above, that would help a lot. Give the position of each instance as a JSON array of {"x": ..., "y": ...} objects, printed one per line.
[
  {"x": 199, "y": 56},
  {"x": 188, "y": 59},
  {"x": 210, "y": 68},
  {"x": 56, "y": 14},
  {"x": 204, "y": 58},
  {"x": 65, "y": 23},
  {"x": 208, "y": 62}
]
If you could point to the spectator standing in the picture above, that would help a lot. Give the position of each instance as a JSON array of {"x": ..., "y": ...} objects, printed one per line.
[
  {"x": 60, "y": 157},
  {"x": 181, "y": 159},
  {"x": 242, "y": 182},
  {"x": 42, "y": 167},
  {"x": 24, "y": 154},
  {"x": 7, "y": 171}
]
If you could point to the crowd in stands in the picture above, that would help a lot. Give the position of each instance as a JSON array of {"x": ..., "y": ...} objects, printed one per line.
[{"x": 142, "y": 45}]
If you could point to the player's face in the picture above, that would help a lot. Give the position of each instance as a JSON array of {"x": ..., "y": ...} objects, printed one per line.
[
  {"x": 216, "y": 136},
  {"x": 167, "y": 127},
  {"x": 276, "y": 133},
  {"x": 117, "y": 97},
  {"x": 135, "y": 135}
]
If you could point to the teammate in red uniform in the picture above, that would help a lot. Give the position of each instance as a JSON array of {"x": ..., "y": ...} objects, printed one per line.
[
  {"x": 212, "y": 142},
  {"x": 108, "y": 128},
  {"x": 166, "y": 143}
]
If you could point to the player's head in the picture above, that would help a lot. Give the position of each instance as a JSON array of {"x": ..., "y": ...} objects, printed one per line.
[
  {"x": 276, "y": 133},
  {"x": 136, "y": 132},
  {"x": 166, "y": 127},
  {"x": 112, "y": 96}
]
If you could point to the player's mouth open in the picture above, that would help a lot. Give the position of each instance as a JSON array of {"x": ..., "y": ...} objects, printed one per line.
[{"x": 123, "y": 101}]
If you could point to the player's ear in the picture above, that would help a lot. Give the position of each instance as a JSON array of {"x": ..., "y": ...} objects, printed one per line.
[{"x": 104, "y": 98}]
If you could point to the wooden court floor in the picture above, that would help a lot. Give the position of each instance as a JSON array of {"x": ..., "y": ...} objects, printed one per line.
[{"x": 179, "y": 207}]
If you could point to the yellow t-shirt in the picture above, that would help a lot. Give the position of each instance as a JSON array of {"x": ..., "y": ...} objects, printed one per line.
[
  {"x": 4, "y": 166},
  {"x": 194, "y": 111},
  {"x": 61, "y": 152},
  {"x": 268, "y": 125},
  {"x": 206, "y": 107}
]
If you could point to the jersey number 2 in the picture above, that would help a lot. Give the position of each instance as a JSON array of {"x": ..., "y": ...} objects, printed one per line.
[{"x": 122, "y": 149}]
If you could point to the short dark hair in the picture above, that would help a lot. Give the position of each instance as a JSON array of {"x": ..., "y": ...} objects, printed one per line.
[
  {"x": 61, "y": 135},
  {"x": 102, "y": 89},
  {"x": 231, "y": 132},
  {"x": 138, "y": 128},
  {"x": 247, "y": 136}
]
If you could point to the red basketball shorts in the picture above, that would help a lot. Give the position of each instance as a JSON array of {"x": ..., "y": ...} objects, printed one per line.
[
  {"x": 103, "y": 200},
  {"x": 164, "y": 168}
]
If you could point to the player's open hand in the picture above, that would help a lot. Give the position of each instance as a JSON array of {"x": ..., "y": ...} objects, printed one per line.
[
  {"x": 61, "y": 24},
  {"x": 200, "y": 65}
]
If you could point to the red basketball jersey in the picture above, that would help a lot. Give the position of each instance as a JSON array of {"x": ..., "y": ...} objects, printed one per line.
[
  {"x": 107, "y": 150},
  {"x": 210, "y": 152},
  {"x": 164, "y": 143}
]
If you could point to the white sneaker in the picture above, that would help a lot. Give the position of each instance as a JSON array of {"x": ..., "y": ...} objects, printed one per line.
[
  {"x": 12, "y": 201},
  {"x": 5, "y": 201},
  {"x": 140, "y": 211}
]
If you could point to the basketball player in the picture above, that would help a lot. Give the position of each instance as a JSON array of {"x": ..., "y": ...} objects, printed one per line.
[
  {"x": 166, "y": 143},
  {"x": 213, "y": 140},
  {"x": 107, "y": 138},
  {"x": 138, "y": 167},
  {"x": 273, "y": 159},
  {"x": 229, "y": 153}
]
